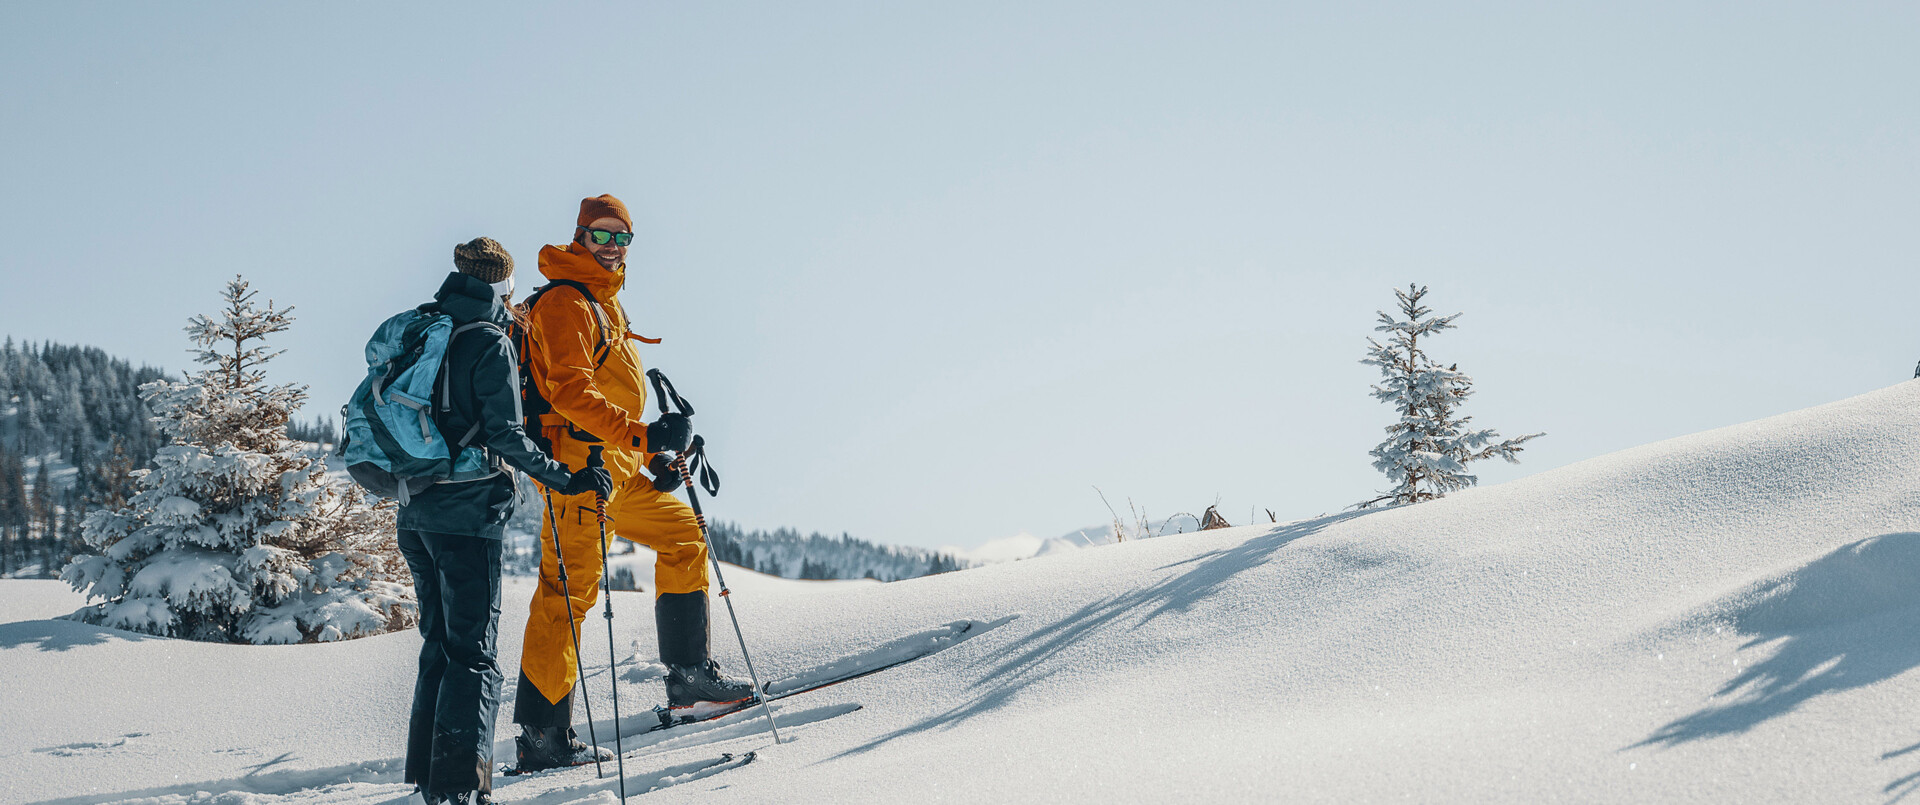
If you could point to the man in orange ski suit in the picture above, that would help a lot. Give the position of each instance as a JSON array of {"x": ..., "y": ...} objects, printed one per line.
[{"x": 582, "y": 360}]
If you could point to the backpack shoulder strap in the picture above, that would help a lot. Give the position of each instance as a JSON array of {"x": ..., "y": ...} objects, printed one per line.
[
  {"x": 599, "y": 315},
  {"x": 473, "y": 325},
  {"x": 446, "y": 379}
]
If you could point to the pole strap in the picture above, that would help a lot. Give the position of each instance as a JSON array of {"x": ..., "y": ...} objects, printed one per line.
[
  {"x": 699, "y": 467},
  {"x": 663, "y": 391},
  {"x": 695, "y": 456}
]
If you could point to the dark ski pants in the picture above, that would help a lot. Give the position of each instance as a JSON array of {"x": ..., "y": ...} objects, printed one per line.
[{"x": 450, "y": 737}]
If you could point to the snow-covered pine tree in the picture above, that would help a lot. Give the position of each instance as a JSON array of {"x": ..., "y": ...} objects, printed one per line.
[
  {"x": 1427, "y": 451},
  {"x": 234, "y": 534}
]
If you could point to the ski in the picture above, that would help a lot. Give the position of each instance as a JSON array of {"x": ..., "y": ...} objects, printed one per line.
[
  {"x": 671, "y": 776},
  {"x": 505, "y": 770},
  {"x": 891, "y": 654},
  {"x": 687, "y": 773},
  {"x": 670, "y": 717}
]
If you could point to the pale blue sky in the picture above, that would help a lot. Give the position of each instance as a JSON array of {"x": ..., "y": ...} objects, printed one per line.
[{"x": 931, "y": 272}]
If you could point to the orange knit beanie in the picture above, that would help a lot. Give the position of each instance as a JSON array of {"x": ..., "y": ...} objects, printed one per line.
[{"x": 603, "y": 206}]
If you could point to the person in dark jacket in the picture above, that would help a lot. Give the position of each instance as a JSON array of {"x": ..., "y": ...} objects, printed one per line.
[{"x": 451, "y": 533}]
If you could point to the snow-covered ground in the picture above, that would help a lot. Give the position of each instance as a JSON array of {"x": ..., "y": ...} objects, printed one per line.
[
  {"x": 1027, "y": 546},
  {"x": 1729, "y": 616},
  {"x": 1018, "y": 547}
]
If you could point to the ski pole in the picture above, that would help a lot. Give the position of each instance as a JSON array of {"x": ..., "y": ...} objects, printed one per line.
[
  {"x": 579, "y": 670},
  {"x": 680, "y": 465},
  {"x": 606, "y": 595},
  {"x": 697, "y": 449}
]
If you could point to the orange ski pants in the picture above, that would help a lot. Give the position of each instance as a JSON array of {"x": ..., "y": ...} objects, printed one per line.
[{"x": 635, "y": 512}]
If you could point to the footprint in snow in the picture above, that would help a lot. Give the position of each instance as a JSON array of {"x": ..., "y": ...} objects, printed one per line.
[{"x": 89, "y": 747}]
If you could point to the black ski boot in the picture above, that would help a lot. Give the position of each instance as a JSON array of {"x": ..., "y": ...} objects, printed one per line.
[
  {"x": 554, "y": 747},
  {"x": 692, "y": 676},
  {"x": 692, "y": 684}
]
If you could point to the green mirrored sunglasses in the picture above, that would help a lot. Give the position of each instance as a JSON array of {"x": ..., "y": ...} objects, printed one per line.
[{"x": 601, "y": 236}]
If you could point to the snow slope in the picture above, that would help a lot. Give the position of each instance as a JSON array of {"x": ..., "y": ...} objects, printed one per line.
[
  {"x": 1019, "y": 547},
  {"x": 741, "y": 580},
  {"x": 1729, "y": 616},
  {"x": 1027, "y": 546}
]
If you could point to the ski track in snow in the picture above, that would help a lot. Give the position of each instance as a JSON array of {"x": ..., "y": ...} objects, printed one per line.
[
  {"x": 349, "y": 783},
  {"x": 380, "y": 781},
  {"x": 605, "y": 790},
  {"x": 88, "y": 747}
]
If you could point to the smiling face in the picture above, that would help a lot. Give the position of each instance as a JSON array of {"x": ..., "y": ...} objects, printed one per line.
[{"x": 609, "y": 254}]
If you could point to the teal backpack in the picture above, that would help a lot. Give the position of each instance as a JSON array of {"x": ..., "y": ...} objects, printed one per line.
[{"x": 393, "y": 446}]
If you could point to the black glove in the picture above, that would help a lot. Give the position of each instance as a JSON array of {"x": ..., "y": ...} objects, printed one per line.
[
  {"x": 671, "y": 433},
  {"x": 665, "y": 480},
  {"x": 591, "y": 479}
]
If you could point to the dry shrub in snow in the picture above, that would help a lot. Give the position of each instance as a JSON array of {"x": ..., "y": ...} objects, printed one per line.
[{"x": 1212, "y": 519}]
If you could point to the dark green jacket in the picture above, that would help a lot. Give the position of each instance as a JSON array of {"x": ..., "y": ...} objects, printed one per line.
[{"x": 483, "y": 379}]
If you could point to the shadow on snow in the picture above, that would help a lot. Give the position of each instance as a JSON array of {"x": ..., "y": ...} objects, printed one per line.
[
  {"x": 59, "y": 635},
  {"x": 1201, "y": 577},
  {"x": 1847, "y": 620}
]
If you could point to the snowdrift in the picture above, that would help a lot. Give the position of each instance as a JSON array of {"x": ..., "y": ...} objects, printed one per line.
[{"x": 1732, "y": 615}]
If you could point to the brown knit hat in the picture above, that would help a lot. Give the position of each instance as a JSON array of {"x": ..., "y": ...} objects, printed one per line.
[
  {"x": 483, "y": 259},
  {"x": 603, "y": 206}
]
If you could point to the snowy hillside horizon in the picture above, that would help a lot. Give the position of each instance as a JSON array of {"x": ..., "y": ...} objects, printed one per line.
[
  {"x": 76, "y": 413},
  {"x": 1728, "y": 616}
]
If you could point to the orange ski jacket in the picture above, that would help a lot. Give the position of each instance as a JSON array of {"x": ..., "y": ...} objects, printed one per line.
[{"x": 586, "y": 367}]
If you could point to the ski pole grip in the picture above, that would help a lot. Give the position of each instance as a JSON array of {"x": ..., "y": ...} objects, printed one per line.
[
  {"x": 593, "y": 456},
  {"x": 663, "y": 390}
]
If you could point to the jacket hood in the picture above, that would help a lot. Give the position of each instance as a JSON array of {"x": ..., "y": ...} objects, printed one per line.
[
  {"x": 574, "y": 262},
  {"x": 466, "y": 299}
]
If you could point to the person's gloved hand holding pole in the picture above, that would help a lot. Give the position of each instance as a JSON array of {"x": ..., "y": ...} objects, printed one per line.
[
  {"x": 665, "y": 477},
  {"x": 671, "y": 433},
  {"x": 594, "y": 479}
]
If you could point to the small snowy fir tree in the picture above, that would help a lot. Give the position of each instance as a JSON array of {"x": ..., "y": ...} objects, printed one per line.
[
  {"x": 1427, "y": 451},
  {"x": 234, "y": 533}
]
